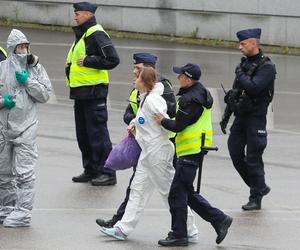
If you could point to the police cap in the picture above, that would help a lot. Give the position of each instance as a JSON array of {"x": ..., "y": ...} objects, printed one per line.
[
  {"x": 248, "y": 33},
  {"x": 144, "y": 58},
  {"x": 85, "y": 6},
  {"x": 190, "y": 70}
]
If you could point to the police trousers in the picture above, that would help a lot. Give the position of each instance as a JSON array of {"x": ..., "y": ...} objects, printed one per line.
[
  {"x": 92, "y": 135},
  {"x": 246, "y": 143},
  {"x": 182, "y": 195}
]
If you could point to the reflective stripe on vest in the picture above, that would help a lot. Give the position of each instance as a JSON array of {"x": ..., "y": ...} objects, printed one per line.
[
  {"x": 3, "y": 51},
  {"x": 81, "y": 75},
  {"x": 133, "y": 101},
  {"x": 188, "y": 141}
]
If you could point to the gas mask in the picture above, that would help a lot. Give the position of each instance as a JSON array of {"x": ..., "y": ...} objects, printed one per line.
[{"x": 32, "y": 60}]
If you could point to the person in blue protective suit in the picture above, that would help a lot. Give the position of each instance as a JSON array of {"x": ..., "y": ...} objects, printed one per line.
[
  {"x": 2, "y": 54},
  {"x": 249, "y": 98},
  {"x": 154, "y": 169},
  {"x": 24, "y": 84},
  {"x": 88, "y": 61},
  {"x": 192, "y": 118}
]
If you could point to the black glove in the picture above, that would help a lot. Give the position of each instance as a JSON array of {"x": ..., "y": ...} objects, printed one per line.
[
  {"x": 231, "y": 95},
  {"x": 223, "y": 125}
]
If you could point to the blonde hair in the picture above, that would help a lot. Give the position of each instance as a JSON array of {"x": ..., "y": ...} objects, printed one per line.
[{"x": 149, "y": 77}]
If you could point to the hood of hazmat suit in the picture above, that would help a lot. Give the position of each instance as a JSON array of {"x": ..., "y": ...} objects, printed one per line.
[{"x": 16, "y": 120}]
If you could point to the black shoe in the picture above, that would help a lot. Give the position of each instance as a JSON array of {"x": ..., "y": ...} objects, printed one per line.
[
  {"x": 84, "y": 177},
  {"x": 222, "y": 229},
  {"x": 252, "y": 205},
  {"x": 171, "y": 241},
  {"x": 105, "y": 223},
  {"x": 104, "y": 180}
]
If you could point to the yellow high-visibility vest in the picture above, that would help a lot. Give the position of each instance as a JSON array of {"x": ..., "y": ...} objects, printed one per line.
[
  {"x": 188, "y": 141},
  {"x": 133, "y": 101},
  {"x": 3, "y": 51},
  {"x": 81, "y": 75}
]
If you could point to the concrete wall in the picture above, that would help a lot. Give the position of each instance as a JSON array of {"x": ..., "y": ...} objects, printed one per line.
[{"x": 220, "y": 19}]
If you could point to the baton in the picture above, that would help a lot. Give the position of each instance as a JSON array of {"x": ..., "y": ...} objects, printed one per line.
[{"x": 204, "y": 151}]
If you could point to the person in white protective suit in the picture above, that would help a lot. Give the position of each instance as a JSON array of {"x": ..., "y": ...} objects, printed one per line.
[
  {"x": 154, "y": 169},
  {"x": 24, "y": 83}
]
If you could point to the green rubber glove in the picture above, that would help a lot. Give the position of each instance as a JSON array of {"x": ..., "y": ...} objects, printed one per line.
[
  {"x": 9, "y": 101},
  {"x": 22, "y": 76}
]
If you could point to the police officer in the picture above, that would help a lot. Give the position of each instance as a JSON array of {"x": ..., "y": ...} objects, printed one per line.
[
  {"x": 252, "y": 92},
  {"x": 89, "y": 59},
  {"x": 148, "y": 60},
  {"x": 193, "y": 117},
  {"x": 140, "y": 60},
  {"x": 2, "y": 54}
]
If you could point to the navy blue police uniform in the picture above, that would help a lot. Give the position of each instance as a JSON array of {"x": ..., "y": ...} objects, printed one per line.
[
  {"x": 192, "y": 102},
  {"x": 254, "y": 85},
  {"x": 90, "y": 107}
]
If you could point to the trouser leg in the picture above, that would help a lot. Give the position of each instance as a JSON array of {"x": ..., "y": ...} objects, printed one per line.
[
  {"x": 8, "y": 187},
  {"x": 236, "y": 146},
  {"x": 25, "y": 158},
  {"x": 121, "y": 210},
  {"x": 140, "y": 193},
  {"x": 98, "y": 136},
  {"x": 202, "y": 207},
  {"x": 256, "y": 144}
]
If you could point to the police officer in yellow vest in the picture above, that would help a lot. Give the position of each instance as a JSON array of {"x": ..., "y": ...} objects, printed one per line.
[
  {"x": 141, "y": 60},
  {"x": 2, "y": 54},
  {"x": 193, "y": 117},
  {"x": 89, "y": 59}
]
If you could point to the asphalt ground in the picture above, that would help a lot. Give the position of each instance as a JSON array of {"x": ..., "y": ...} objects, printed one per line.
[{"x": 64, "y": 212}]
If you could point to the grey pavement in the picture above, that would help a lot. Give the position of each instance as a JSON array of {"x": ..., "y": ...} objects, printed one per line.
[{"x": 64, "y": 212}]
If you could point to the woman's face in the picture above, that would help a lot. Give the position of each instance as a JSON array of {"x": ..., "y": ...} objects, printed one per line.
[
  {"x": 22, "y": 48},
  {"x": 139, "y": 84}
]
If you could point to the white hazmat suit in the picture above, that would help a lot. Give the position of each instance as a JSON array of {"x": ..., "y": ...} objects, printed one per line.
[
  {"x": 154, "y": 169},
  {"x": 18, "y": 128}
]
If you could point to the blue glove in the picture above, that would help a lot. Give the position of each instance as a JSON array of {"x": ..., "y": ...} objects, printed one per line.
[
  {"x": 9, "y": 101},
  {"x": 22, "y": 76}
]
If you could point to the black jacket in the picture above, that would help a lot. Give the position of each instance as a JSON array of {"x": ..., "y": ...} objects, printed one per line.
[
  {"x": 101, "y": 54},
  {"x": 191, "y": 103},
  {"x": 168, "y": 95},
  {"x": 260, "y": 85}
]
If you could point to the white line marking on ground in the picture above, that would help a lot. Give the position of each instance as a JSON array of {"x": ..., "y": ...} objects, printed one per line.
[{"x": 210, "y": 51}]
